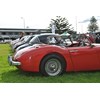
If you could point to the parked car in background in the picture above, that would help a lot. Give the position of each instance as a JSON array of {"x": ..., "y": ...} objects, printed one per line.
[
  {"x": 25, "y": 40},
  {"x": 37, "y": 39},
  {"x": 5, "y": 39},
  {"x": 12, "y": 43}
]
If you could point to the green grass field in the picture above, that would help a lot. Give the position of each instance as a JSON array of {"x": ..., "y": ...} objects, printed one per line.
[{"x": 10, "y": 74}]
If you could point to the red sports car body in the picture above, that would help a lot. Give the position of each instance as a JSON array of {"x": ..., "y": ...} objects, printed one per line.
[{"x": 52, "y": 60}]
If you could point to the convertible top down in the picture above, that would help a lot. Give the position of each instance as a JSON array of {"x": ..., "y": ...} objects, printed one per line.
[{"x": 54, "y": 59}]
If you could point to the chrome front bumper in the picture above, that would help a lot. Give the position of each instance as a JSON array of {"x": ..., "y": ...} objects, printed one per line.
[{"x": 11, "y": 62}]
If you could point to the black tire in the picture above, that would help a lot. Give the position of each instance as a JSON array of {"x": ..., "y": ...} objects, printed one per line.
[{"x": 52, "y": 65}]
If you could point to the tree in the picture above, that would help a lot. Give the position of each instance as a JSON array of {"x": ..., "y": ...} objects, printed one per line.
[
  {"x": 61, "y": 25},
  {"x": 92, "y": 27}
]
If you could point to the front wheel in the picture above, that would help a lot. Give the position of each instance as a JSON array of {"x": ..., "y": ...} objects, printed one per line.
[{"x": 52, "y": 65}]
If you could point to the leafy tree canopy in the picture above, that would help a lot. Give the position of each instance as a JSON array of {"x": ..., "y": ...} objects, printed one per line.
[
  {"x": 61, "y": 25},
  {"x": 93, "y": 26}
]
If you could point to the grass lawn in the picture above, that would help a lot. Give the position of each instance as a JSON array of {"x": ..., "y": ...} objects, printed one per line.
[{"x": 10, "y": 74}]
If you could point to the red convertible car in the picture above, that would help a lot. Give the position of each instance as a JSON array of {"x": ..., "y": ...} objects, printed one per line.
[{"x": 52, "y": 60}]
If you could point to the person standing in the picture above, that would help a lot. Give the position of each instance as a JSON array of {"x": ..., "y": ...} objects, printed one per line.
[{"x": 21, "y": 34}]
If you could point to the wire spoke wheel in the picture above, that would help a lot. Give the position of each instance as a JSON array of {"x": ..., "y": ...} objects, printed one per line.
[{"x": 53, "y": 67}]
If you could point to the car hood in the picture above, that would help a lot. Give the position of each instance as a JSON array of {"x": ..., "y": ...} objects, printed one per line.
[
  {"x": 26, "y": 44},
  {"x": 22, "y": 46}
]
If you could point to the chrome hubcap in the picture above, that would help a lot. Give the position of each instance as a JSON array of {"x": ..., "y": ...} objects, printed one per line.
[{"x": 53, "y": 67}]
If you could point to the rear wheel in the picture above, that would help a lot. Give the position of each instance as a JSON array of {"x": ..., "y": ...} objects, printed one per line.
[{"x": 52, "y": 65}]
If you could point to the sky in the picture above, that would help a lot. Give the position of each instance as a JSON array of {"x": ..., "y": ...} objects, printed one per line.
[{"x": 38, "y": 13}]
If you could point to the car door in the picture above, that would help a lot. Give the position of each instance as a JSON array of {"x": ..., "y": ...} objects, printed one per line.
[{"x": 84, "y": 58}]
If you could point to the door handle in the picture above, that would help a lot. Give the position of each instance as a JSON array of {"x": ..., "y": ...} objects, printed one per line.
[{"x": 73, "y": 51}]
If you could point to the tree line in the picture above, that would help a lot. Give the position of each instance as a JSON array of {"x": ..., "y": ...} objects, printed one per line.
[{"x": 62, "y": 25}]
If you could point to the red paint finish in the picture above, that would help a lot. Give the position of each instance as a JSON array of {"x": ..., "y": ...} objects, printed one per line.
[
  {"x": 77, "y": 58},
  {"x": 84, "y": 58}
]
